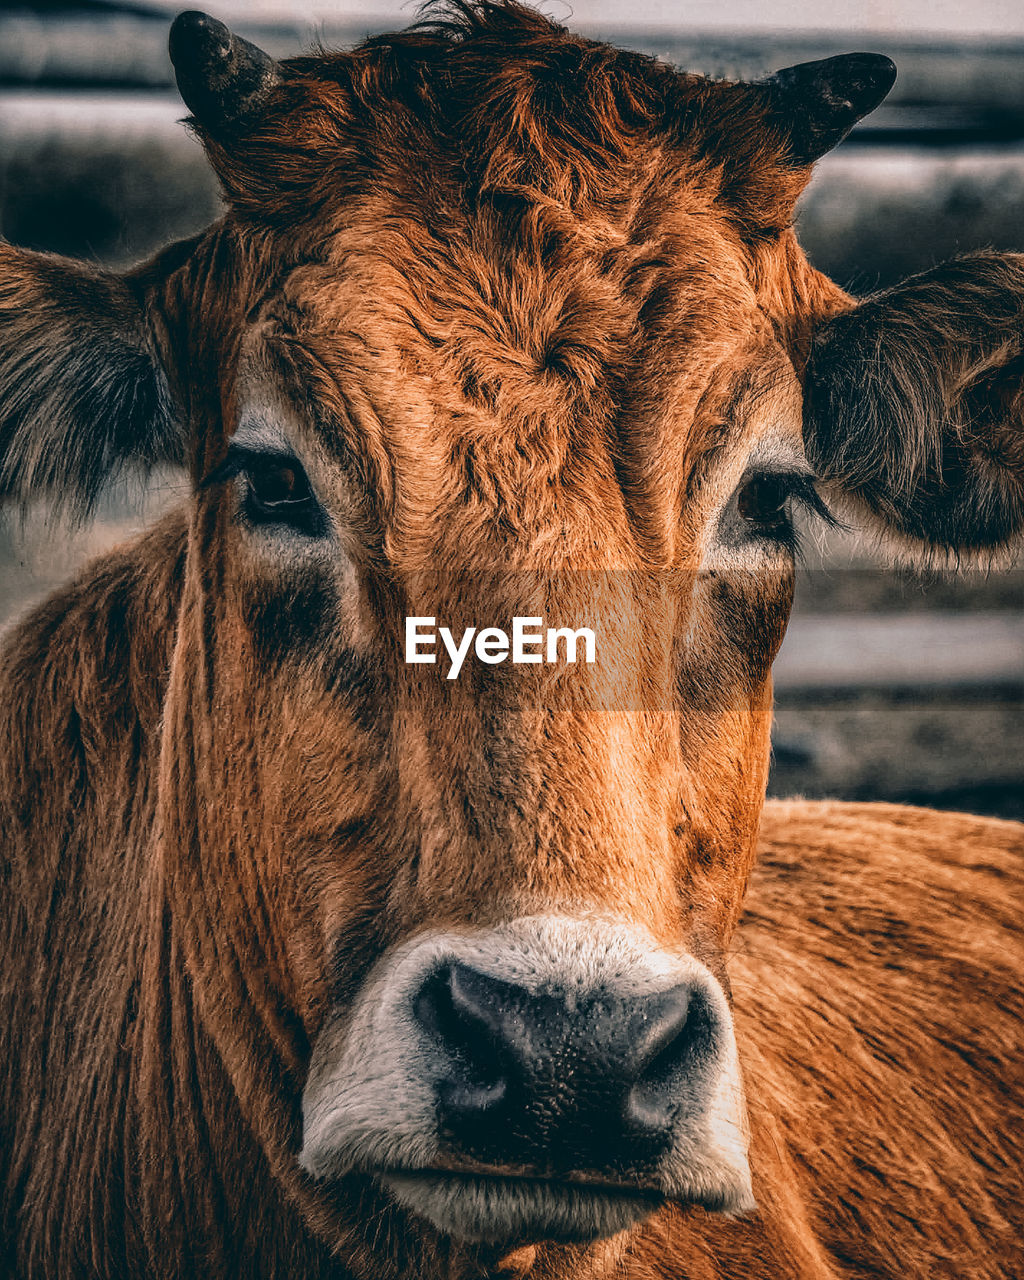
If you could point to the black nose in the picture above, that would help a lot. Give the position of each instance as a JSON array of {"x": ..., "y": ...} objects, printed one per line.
[{"x": 553, "y": 1083}]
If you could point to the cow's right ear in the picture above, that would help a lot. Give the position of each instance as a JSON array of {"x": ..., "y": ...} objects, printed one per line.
[
  {"x": 914, "y": 407},
  {"x": 83, "y": 388}
]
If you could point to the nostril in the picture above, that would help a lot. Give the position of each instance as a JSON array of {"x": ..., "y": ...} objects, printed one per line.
[
  {"x": 681, "y": 1035},
  {"x": 466, "y": 1096},
  {"x": 554, "y": 1081},
  {"x": 457, "y": 1015},
  {"x": 659, "y": 1023}
]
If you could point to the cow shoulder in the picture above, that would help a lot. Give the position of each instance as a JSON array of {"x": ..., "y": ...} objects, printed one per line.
[
  {"x": 877, "y": 988},
  {"x": 81, "y": 687}
]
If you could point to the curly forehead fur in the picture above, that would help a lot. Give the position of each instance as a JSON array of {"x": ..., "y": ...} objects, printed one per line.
[
  {"x": 492, "y": 101},
  {"x": 556, "y": 251},
  {"x": 547, "y": 233}
]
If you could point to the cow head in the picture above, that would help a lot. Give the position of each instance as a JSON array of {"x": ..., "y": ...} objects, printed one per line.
[{"x": 499, "y": 323}]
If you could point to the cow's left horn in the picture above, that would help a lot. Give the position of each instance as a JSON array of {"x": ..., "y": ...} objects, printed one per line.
[
  {"x": 818, "y": 103},
  {"x": 222, "y": 78}
]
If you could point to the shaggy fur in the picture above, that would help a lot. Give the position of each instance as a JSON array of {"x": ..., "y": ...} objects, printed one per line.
[
  {"x": 111, "y": 378},
  {"x": 875, "y": 978},
  {"x": 527, "y": 312},
  {"x": 913, "y": 404}
]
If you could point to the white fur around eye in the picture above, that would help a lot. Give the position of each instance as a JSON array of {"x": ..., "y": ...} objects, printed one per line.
[
  {"x": 728, "y": 543},
  {"x": 258, "y": 432}
]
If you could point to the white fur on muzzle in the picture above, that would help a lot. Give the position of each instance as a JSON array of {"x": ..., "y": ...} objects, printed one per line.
[{"x": 370, "y": 1103}]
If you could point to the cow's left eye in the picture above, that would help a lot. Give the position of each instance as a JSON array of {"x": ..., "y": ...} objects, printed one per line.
[{"x": 765, "y": 499}]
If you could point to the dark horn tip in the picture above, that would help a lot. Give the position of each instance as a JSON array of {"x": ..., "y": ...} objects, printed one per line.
[
  {"x": 195, "y": 37},
  {"x": 818, "y": 103},
  {"x": 222, "y": 78},
  {"x": 870, "y": 77}
]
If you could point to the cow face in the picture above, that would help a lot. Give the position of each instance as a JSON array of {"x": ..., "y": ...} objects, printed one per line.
[
  {"x": 500, "y": 325},
  {"x": 559, "y": 413}
]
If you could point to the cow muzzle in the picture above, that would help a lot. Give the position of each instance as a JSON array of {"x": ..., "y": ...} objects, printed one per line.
[{"x": 549, "y": 1079}]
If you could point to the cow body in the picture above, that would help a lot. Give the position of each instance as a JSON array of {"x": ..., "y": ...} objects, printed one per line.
[
  {"x": 875, "y": 978},
  {"x": 316, "y": 962}
]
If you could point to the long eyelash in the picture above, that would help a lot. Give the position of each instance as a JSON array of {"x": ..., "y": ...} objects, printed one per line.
[
  {"x": 239, "y": 460},
  {"x": 227, "y": 470},
  {"x": 804, "y": 491},
  {"x": 795, "y": 543}
]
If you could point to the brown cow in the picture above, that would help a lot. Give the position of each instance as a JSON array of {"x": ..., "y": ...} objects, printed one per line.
[{"x": 318, "y": 963}]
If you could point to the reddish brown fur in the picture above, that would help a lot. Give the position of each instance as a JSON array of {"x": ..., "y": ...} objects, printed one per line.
[
  {"x": 526, "y": 305},
  {"x": 866, "y": 928}
]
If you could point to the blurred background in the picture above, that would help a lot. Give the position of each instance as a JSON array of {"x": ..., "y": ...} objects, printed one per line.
[{"x": 890, "y": 686}]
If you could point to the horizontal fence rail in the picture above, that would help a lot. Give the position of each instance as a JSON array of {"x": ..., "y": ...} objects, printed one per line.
[{"x": 963, "y": 90}]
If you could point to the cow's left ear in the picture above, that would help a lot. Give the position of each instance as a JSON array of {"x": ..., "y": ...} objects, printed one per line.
[{"x": 914, "y": 405}]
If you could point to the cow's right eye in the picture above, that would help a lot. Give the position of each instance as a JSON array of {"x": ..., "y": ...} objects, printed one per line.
[{"x": 277, "y": 490}]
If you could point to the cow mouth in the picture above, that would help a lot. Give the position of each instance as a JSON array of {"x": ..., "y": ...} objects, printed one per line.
[
  {"x": 481, "y": 1135},
  {"x": 597, "y": 1186},
  {"x": 512, "y": 1209}
]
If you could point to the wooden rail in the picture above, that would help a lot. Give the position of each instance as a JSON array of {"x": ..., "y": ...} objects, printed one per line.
[{"x": 946, "y": 88}]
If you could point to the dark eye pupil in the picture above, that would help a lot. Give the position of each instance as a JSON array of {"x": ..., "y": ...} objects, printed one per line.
[
  {"x": 762, "y": 500},
  {"x": 279, "y": 484},
  {"x": 279, "y": 494}
]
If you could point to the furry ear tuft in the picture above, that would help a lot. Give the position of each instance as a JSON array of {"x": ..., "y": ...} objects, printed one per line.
[
  {"x": 83, "y": 392},
  {"x": 914, "y": 405}
]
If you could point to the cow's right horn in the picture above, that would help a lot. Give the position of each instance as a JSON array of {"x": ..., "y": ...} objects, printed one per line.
[{"x": 222, "y": 78}]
